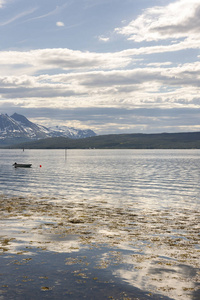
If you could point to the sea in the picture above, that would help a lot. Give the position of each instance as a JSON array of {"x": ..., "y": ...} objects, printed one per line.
[
  {"x": 142, "y": 209},
  {"x": 152, "y": 178}
]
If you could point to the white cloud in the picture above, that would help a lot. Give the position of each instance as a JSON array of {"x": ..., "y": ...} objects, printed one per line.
[
  {"x": 55, "y": 11},
  {"x": 141, "y": 87},
  {"x": 62, "y": 79},
  {"x": 104, "y": 39},
  {"x": 159, "y": 64},
  {"x": 2, "y": 2},
  {"x": 190, "y": 43},
  {"x": 63, "y": 59},
  {"x": 18, "y": 16},
  {"x": 60, "y": 24},
  {"x": 176, "y": 20},
  {"x": 60, "y": 58}
]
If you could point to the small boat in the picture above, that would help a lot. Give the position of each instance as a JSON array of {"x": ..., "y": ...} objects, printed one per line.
[{"x": 22, "y": 165}]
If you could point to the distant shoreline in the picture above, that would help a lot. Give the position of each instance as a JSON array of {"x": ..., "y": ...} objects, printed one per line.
[{"x": 183, "y": 140}]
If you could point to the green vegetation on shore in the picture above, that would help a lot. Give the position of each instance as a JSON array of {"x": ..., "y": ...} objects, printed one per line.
[{"x": 185, "y": 140}]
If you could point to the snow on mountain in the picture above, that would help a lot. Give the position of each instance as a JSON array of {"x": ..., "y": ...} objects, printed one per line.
[
  {"x": 71, "y": 132},
  {"x": 8, "y": 125},
  {"x": 19, "y": 127},
  {"x": 31, "y": 130}
]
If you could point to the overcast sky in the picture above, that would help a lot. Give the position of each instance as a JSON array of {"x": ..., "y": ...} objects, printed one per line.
[{"x": 109, "y": 65}]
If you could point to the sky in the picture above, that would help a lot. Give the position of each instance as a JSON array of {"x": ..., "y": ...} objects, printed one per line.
[{"x": 113, "y": 66}]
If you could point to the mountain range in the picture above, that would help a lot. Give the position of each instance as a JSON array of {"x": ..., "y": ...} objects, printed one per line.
[{"x": 17, "y": 129}]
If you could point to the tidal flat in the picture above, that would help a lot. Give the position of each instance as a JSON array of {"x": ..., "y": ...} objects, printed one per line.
[{"x": 54, "y": 248}]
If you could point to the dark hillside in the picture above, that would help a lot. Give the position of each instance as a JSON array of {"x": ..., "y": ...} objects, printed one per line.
[{"x": 185, "y": 140}]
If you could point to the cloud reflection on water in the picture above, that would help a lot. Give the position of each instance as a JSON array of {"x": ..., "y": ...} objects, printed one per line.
[{"x": 153, "y": 248}]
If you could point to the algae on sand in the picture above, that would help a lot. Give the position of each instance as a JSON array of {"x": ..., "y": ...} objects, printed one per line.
[{"x": 159, "y": 246}]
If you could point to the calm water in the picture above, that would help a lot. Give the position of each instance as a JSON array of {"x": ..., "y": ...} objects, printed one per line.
[
  {"x": 91, "y": 224},
  {"x": 147, "y": 177}
]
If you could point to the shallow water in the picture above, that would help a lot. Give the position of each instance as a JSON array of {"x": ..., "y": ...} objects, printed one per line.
[
  {"x": 121, "y": 224},
  {"x": 150, "y": 177}
]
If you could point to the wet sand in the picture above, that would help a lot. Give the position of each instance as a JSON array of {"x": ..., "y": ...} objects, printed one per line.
[{"x": 73, "y": 250}]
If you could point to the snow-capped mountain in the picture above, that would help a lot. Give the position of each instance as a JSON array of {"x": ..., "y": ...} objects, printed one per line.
[
  {"x": 19, "y": 128},
  {"x": 71, "y": 132}
]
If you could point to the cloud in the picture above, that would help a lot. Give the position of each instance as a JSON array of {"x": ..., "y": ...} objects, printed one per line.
[
  {"x": 2, "y": 2},
  {"x": 104, "y": 39},
  {"x": 174, "y": 21},
  {"x": 105, "y": 120},
  {"x": 60, "y": 24},
  {"x": 151, "y": 86},
  {"x": 167, "y": 63},
  {"x": 111, "y": 88},
  {"x": 18, "y": 16},
  {"x": 62, "y": 58},
  {"x": 55, "y": 11}
]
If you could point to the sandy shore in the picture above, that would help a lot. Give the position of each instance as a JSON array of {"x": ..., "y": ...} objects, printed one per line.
[{"x": 65, "y": 249}]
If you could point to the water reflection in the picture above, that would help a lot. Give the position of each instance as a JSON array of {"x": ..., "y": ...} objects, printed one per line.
[
  {"x": 170, "y": 279},
  {"x": 134, "y": 215},
  {"x": 154, "y": 250},
  {"x": 150, "y": 178}
]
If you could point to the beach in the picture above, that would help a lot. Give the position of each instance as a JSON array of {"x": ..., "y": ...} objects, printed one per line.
[{"x": 60, "y": 248}]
